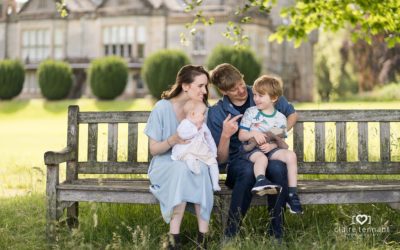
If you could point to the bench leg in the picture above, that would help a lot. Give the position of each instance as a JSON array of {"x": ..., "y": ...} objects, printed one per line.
[
  {"x": 51, "y": 196},
  {"x": 72, "y": 215}
]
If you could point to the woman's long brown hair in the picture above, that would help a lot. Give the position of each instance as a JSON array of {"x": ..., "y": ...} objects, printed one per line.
[{"x": 186, "y": 75}]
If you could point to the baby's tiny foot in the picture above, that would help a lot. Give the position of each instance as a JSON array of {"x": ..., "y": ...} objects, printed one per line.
[{"x": 217, "y": 188}]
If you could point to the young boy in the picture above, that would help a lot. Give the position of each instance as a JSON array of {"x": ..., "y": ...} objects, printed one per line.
[
  {"x": 256, "y": 123},
  {"x": 201, "y": 146}
]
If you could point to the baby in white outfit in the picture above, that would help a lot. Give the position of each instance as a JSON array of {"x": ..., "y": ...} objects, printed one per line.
[{"x": 201, "y": 146}]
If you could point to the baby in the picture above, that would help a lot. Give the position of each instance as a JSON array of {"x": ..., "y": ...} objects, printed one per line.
[{"x": 201, "y": 146}]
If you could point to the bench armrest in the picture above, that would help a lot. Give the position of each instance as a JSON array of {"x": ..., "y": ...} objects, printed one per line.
[{"x": 55, "y": 158}]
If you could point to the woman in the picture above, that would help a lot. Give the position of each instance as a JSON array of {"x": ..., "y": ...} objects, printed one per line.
[{"x": 172, "y": 183}]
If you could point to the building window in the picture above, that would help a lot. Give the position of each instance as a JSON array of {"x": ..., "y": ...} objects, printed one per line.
[
  {"x": 141, "y": 41},
  {"x": 58, "y": 44},
  {"x": 36, "y": 44},
  {"x": 199, "y": 43},
  {"x": 139, "y": 81},
  {"x": 117, "y": 40}
]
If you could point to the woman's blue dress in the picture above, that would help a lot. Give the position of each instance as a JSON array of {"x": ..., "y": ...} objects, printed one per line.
[{"x": 172, "y": 182}]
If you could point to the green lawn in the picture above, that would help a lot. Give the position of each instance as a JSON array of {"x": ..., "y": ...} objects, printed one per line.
[{"x": 29, "y": 128}]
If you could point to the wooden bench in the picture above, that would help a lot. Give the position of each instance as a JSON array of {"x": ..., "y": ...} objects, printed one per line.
[{"x": 134, "y": 190}]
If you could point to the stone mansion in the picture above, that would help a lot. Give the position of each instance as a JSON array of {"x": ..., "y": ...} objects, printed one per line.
[{"x": 32, "y": 30}]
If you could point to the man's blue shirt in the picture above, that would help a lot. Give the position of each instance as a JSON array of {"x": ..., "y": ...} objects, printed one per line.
[{"x": 219, "y": 111}]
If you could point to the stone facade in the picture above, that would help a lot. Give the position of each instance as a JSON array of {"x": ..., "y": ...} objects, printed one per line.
[{"x": 135, "y": 29}]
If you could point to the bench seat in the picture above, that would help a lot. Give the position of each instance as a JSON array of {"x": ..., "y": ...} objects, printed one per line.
[{"x": 310, "y": 191}]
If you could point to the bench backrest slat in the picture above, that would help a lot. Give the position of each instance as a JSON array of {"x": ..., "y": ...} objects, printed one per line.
[
  {"x": 113, "y": 168},
  {"x": 321, "y": 164},
  {"x": 320, "y": 141},
  {"x": 116, "y": 117},
  {"x": 92, "y": 141},
  {"x": 112, "y": 142},
  {"x": 341, "y": 149},
  {"x": 72, "y": 142},
  {"x": 349, "y": 115},
  {"x": 363, "y": 141},
  {"x": 298, "y": 139},
  {"x": 132, "y": 141},
  {"x": 384, "y": 128}
]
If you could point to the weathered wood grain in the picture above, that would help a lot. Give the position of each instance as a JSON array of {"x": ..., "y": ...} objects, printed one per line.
[
  {"x": 298, "y": 141},
  {"x": 114, "y": 117},
  {"x": 373, "y": 115},
  {"x": 72, "y": 141},
  {"x": 54, "y": 158},
  {"x": 92, "y": 141},
  {"x": 363, "y": 141},
  {"x": 341, "y": 152},
  {"x": 132, "y": 141},
  {"x": 112, "y": 142},
  {"x": 349, "y": 167},
  {"x": 113, "y": 167},
  {"x": 384, "y": 138},
  {"x": 319, "y": 141}
]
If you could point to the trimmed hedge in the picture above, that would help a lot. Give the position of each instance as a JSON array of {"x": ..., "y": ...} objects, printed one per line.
[
  {"x": 12, "y": 77},
  {"x": 55, "y": 79},
  {"x": 243, "y": 59},
  {"x": 108, "y": 77},
  {"x": 160, "y": 69}
]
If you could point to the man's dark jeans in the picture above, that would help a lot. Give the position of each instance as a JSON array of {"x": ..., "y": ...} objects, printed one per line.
[{"x": 241, "y": 180}]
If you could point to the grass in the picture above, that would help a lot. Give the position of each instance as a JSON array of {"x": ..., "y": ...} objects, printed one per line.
[{"x": 29, "y": 128}]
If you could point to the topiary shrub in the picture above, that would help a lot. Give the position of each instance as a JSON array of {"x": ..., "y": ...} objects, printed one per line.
[
  {"x": 12, "y": 77},
  {"x": 55, "y": 79},
  {"x": 243, "y": 59},
  {"x": 160, "y": 69},
  {"x": 108, "y": 77}
]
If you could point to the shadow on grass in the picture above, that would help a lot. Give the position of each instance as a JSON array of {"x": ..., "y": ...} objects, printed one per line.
[
  {"x": 58, "y": 107},
  {"x": 10, "y": 107}
]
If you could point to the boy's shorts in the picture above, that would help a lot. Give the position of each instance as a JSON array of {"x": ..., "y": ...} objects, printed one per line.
[{"x": 246, "y": 155}]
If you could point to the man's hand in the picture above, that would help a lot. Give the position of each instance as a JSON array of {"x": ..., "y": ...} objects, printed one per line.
[{"x": 230, "y": 126}]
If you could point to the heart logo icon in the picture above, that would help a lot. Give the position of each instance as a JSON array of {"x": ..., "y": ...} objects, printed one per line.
[{"x": 361, "y": 219}]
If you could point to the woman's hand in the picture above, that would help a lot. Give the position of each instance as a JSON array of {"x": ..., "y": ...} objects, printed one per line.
[
  {"x": 266, "y": 147},
  {"x": 175, "y": 139}
]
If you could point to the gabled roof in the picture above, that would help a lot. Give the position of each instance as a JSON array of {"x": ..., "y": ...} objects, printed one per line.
[
  {"x": 74, "y": 6},
  {"x": 137, "y": 4},
  {"x": 80, "y": 5}
]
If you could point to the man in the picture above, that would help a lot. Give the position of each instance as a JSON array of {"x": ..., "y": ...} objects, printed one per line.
[{"x": 223, "y": 120}]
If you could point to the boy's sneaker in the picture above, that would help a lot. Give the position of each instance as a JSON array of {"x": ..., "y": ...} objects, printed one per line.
[
  {"x": 265, "y": 186},
  {"x": 294, "y": 204}
]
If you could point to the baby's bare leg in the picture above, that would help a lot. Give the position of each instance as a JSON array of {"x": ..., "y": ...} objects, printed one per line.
[
  {"x": 214, "y": 173},
  {"x": 260, "y": 163},
  {"x": 290, "y": 158}
]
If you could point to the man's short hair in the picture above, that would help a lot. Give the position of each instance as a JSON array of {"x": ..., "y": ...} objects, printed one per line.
[
  {"x": 225, "y": 76},
  {"x": 270, "y": 85}
]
